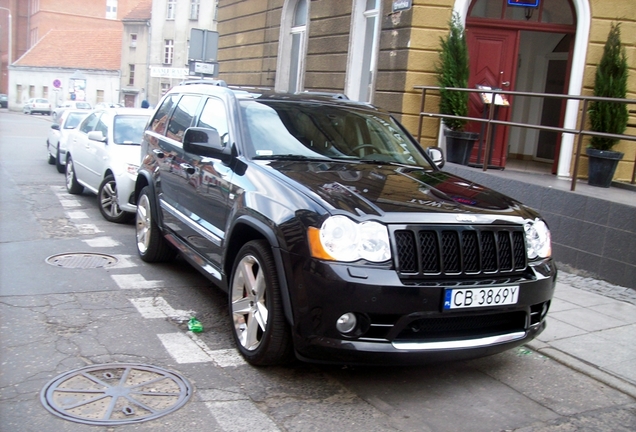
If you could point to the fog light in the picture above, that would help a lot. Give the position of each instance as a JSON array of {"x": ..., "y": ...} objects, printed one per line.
[{"x": 346, "y": 323}]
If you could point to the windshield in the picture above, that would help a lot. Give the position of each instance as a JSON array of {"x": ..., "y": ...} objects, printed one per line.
[
  {"x": 299, "y": 130},
  {"x": 129, "y": 129},
  {"x": 73, "y": 120}
]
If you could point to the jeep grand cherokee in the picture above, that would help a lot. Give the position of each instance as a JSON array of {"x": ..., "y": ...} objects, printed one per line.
[{"x": 334, "y": 234}]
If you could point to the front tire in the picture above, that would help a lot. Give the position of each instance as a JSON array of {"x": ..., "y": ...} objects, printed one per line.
[
  {"x": 261, "y": 333},
  {"x": 72, "y": 186},
  {"x": 108, "y": 204},
  {"x": 151, "y": 245}
]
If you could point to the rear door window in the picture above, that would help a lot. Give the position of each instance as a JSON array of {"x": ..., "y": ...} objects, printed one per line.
[{"x": 89, "y": 123}]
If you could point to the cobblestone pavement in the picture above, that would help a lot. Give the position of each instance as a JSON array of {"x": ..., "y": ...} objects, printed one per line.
[{"x": 597, "y": 286}]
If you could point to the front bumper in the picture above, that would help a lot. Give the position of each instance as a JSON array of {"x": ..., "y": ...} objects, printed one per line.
[
  {"x": 125, "y": 190},
  {"x": 405, "y": 323}
]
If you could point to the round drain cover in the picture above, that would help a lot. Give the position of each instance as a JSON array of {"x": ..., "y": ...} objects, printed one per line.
[
  {"x": 82, "y": 260},
  {"x": 114, "y": 394}
]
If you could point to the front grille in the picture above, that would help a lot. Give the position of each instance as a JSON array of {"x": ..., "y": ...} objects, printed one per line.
[{"x": 457, "y": 251}]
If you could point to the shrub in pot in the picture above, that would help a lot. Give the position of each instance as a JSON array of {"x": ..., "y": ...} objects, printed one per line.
[
  {"x": 452, "y": 71},
  {"x": 609, "y": 117}
]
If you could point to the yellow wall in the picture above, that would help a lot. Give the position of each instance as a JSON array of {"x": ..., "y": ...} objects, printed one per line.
[{"x": 430, "y": 22}]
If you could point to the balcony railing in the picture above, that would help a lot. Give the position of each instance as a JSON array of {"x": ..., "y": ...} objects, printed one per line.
[{"x": 580, "y": 132}]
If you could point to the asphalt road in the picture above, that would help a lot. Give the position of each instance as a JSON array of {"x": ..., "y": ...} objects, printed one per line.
[{"x": 56, "y": 320}]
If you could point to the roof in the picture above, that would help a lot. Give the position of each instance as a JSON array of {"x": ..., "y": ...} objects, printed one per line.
[
  {"x": 141, "y": 12},
  {"x": 59, "y": 49}
]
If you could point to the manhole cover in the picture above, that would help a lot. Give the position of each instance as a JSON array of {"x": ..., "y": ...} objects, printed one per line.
[
  {"x": 81, "y": 260},
  {"x": 114, "y": 394}
]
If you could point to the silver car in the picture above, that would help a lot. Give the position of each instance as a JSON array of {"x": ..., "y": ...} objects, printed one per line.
[
  {"x": 58, "y": 135},
  {"x": 37, "y": 105},
  {"x": 103, "y": 156}
]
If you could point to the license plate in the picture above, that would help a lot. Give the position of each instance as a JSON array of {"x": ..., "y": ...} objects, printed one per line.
[{"x": 460, "y": 298}]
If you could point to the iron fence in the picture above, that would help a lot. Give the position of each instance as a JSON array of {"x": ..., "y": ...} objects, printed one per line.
[{"x": 580, "y": 132}]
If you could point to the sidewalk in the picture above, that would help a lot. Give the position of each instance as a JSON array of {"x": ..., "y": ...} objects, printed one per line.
[{"x": 592, "y": 329}]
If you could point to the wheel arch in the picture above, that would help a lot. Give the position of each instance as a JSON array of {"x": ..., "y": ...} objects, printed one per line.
[{"x": 247, "y": 228}]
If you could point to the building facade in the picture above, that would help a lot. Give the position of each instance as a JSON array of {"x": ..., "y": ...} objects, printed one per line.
[{"x": 379, "y": 50}]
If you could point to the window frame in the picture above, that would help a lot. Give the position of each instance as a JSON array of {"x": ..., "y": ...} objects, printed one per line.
[{"x": 285, "y": 46}]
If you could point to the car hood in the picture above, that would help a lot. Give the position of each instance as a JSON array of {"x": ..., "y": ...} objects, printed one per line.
[{"x": 371, "y": 188}]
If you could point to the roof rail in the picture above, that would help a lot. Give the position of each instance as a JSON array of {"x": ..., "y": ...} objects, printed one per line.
[
  {"x": 340, "y": 96},
  {"x": 216, "y": 82}
]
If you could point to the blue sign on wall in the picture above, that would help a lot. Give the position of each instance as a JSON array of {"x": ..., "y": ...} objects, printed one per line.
[{"x": 402, "y": 5}]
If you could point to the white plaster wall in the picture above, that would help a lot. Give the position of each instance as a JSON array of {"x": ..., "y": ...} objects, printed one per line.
[{"x": 108, "y": 81}]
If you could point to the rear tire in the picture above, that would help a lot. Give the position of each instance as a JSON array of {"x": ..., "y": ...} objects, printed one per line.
[
  {"x": 261, "y": 332},
  {"x": 58, "y": 161},
  {"x": 72, "y": 186},
  {"x": 108, "y": 203},
  {"x": 151, "y": 245},
  {"x": 51, "y": 157}
]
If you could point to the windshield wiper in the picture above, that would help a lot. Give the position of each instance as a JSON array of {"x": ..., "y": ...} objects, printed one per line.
[{"x": 291, "y": 157}]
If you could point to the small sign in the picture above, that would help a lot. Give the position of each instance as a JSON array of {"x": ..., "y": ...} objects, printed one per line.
[
  {"x": 524, "y": 3},
  {"x": 402, "y": 5},
  {"x": 168, "y": 72},
  {"x": 204, "y": 68},
  {"x": 57, "y": 83}
]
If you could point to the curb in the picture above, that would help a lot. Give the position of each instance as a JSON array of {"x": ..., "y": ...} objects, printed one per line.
[{"x": 585, "y": 368}]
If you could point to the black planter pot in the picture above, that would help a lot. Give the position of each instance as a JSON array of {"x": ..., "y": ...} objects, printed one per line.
[
  {"x": 602, "y": 166},
  {"x": 459, "y": 146}
]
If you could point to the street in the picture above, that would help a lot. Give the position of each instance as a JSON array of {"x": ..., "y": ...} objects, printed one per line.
[{"x": 55, "y": 319}]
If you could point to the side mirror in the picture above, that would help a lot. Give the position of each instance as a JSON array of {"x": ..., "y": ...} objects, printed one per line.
[
  {"x": 97, "y": 136},
  {"x": 55, "y": 126},
  {"x": 437, "y": 155},
  {"x": 205, "y": 142}
]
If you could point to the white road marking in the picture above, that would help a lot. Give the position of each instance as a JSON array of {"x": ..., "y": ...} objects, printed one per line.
[
  {"x": 223, "y": 358},
  {"x": 85, "y": 229},
  {"x": 101, "y": 241},
  {"x": 183, "y": 349},
  {"x": 251, "y": 417},
  {"x": 135, "y": 281},
  {"x": 157, "y": 307},
  {"x": 77, "y": 214},
  {"x": 124, "y": 261},
  {"x": 68, "y": 203}
]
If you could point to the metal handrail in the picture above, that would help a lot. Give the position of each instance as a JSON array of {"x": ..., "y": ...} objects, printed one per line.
[{"x": 580, "y": 132}]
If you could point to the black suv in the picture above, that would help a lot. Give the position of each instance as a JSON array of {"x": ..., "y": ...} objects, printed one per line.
[{"x": 334, "y": 234}]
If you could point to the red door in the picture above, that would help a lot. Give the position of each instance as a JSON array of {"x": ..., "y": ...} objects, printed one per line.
[{"x": 493, "y": 54}]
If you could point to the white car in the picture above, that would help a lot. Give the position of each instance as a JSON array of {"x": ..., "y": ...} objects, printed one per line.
[
  {"x": 103, "y": 155},
  {"x": 58, "y": 135},
  {"x": 74, "y": 105},
  {"x": 37, "y": 105}
]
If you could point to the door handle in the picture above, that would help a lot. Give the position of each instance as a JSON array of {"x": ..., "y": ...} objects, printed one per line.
[
  {"x": 187, "y": 168},
  {"x": 159, "y": 153},
  {"x": 505, "y": 84}
]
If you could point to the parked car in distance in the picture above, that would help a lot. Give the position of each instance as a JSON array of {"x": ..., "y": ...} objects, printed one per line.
[
  {"x": 4, "y": 101},
  {"x": 103, "y": 155},
  {"x": 335, "y": 235},
  {"x": 74, "y": 105},
  {"x": 58, "y": 135},
  {"x": 37, "y": 105},
  {"x": 102, "y": 105}
]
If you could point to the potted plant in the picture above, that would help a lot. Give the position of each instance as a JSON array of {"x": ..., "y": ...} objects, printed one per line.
[
  {"x": 609, "y": 117},
  {"x": 452, "y": 71}
]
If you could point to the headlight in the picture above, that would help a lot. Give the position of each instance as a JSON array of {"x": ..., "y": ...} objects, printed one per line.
[
  {"x": 341, "y": 239},
  {"x": 538, "y": 239}
]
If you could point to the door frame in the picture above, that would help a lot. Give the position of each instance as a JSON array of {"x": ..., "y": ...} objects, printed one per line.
[{"x": 583, "y": 14}]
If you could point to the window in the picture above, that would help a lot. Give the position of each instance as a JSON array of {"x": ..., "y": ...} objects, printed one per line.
[
  {"x": 31, "y": 91},
  {"x": 100, "y": 96},
  {"x": 89, "y": 124},
  {"x": 182, "y": 117},
  {"x": 18, "y": 93},
  {"x": 133, "y": 40},
  {"x": 293, "y": 47},
  {"x": 160, "y": 118},
  {"x": 45, "y": 92},
  {"x": 35, "y": 6},
  {"x": 111, "y": 9},
  {"x": 34, "y": 36},
  {"x": 214, "y": 116},
  {"x": 363, "y": 50},
  {"x": 164, "y": 88},
  {"x": 131, "y": 74},
  {"x": 172, "y": 5},
  {"x": 195, "y": 5},
  {"x": 168, "y": 51}
]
